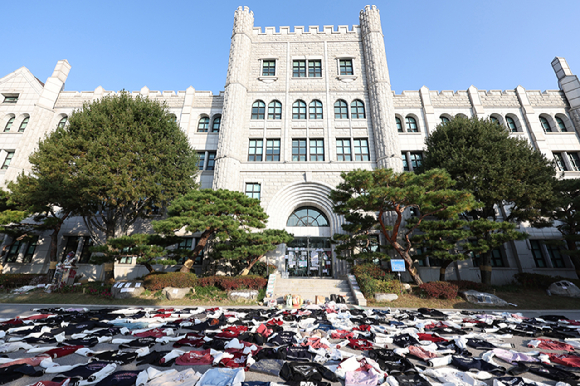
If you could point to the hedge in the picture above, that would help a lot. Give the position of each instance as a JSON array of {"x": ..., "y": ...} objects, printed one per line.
[
  {"x": 158, "y": 280},
  {"x": 15, "y": 280},
  {"x": 440, "y": 289},
  {"x": 536, "y": 280},
  {"x": 229, "y": 283},
  {"x": 371, "y": 270}
]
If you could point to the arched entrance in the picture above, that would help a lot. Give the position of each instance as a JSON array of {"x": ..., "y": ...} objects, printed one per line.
[{"x": 310, "y": 253}]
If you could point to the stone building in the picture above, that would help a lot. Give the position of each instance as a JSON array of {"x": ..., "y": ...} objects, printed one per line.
[{"x": 299, "y": 107}]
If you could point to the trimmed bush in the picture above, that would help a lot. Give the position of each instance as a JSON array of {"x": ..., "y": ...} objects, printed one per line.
[
  {"x": 367, "y": 285},
  {"x": 15, "y": 280},
  {"x": 229, "y": 283},
  {"x": 440, "y": 289},
  {"x": 158, "y": 280},
  {"x": 469, "y": 285},
  {"x": 261, "y": 269},
  {"x": 371, "y": 270},
  {"x": 536, "y": 280}
]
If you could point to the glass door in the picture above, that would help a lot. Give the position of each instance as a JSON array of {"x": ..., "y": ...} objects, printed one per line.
[{"x": 309, "y": 257}]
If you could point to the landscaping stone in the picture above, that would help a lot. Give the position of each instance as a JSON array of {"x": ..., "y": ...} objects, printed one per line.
[
  {"x": 172, "y": 293},
  {"x": 242, "y": 295},
  {"x": 406, "y": 286},
  {"x": 386, "y": 297},
  {"x": 484, "y": 298},
  {"x": 564, "y": 288},
  {"x": 126, "y": 290}
]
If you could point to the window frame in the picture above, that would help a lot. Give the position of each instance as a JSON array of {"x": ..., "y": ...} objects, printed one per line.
[
  {"x": 345, "y": 67},
  {"x": 299, "y": 149},
  {"x": 23, "y": 124},
  {"x": 346, "y": 156},
  {"x": 201, "y": 162},
  {"x": 275, "y": 110},
  {"x": 256, "y": 152},
  {"x": 299, "y": 68},
  {"x": 210, "y": 165},
  {"x": 561, "y": 125},
  {"x": 62, "y": 122},
  {"x": 545, "y": 124},
  {"x": 217, "y": 120},
  {"x": 342, "y": 107},
  {"x": 8, "y": 159},
  {"x": 316, "y": 150},
  {"x": 10, "y": 98},
  {"x": 306, "y": 68},
  {"x": 409, "y": 122},
  {"x": 253, "y": 193},
  {"x": 559, "y": 161},
  {"x": 363, "y": 144},
  {"x": 13, "y": 252},
  {"x": 258, "y": 110},
  {"x": 272, "y": 149},
  {"x": 574, "y": 161},
  {"x": 269, "y": 68},
  {"x": 27, "y": 256},
  {"x": 315, "y": 109},
  {"x": 299, "y": 108},
  {"x": 9, "y": 124},
  {"x": 539, "y": 258},
  {"x": 509, "y": 122},
  {"x": 356, "y": 106},
  {"x": 203, "y": 124},
  {"x": 399, "y": 125},
  {"x": 316, "y": 70}
]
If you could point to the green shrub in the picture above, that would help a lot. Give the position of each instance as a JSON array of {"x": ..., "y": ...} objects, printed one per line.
[
  {"x": 371, "y": 270},
  {"x": 367, "y": 285},
  {"x": 15, "y": 280},
  {"x": 261, "y": 269},
  {"x": 165, "y": 262},
  {"x": 440, "y": 289},
  {"x": 229, "y": 283},
  {"x": 536, "y": 280},
  {"x": 469, "y": 285},
  {"x": 387, "y": 286},
  {"x": 158, "y": 280}
]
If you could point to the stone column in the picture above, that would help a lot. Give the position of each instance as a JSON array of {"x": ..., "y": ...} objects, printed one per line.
[
  {"x": 570, "y": 85},
  {"x": 235, "y": 112},
  {"x": 382, "y": 110}
]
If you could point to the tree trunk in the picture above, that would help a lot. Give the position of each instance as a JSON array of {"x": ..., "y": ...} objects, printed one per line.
[
  {"x": 53, "y": 249},
  {"x": 149, "y": 267},
  {"x": 443, "y": 269},
  {"x": 485, "y": 267},
  {"x": 246, "y": 270},
  {"x": 188, "y": 265}
]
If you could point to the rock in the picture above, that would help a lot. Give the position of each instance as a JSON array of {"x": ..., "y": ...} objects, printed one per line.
[
  {"x": 483, "y": 298},
  {"x": 126, "y": 290},
  {"x": 564, "y": 288},
  {"x": 176, "y": 293},
  {"x": 406, "y": 286},
  {"x": 386, "y": 297},
  {"x": 242, "y": 295}
]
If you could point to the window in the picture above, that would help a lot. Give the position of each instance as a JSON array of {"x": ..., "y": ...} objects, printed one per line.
[
  {"x": 215, "y": 125},
  {"x": 545, "y": 125},
  {"x": 405, "y": 163},
  {"x": 210, "y": 160},
  {"x": 411, "y": 125},
  {"x": 444, "y": 119},
  {"x": 12, "y": 254},
  {"x": 561, "y": 125},
  {"x": 537, "y": 254},
  {"x": 186, "y": 244},
  {"x": 203, "y": 125},
  {"x": 361, "y": 149},
  {"x": 496, "y": 258},
  {"x": 298, "y": 150},
  {"x": 253, "y": 190},
  {"x": 307, "y": 216},
  {"x": 23, "y": 125},
  {"x": 85, "y": 251},
  {"x": 299, "y": 110},
  {"x": 9, "y": 124},
  {"x": 11, "y": 98},
  {"x": 299, "y": 68},
  {"x": 314, "y": 69},
  {"x": 8, "y": 159},
  {"x": 399, "y": 124},
  {"x": 345, "y": 66},
  {"x": 62, "y": 123},
  {"x": 316, "y": 150},
  {"x": 275, "y": 110},
  {"x": 357, "y": 110},
  {"x": 343, "y": 150},
  {"x": 494, "y": 120},
  {"x": 511, "y": 124},
  {"x": 72, "y": 245},
  {"x": 555, "y": 256},
  {"x": 201, "y": 163},
  {"x": 416, "y": 160},
  {"x": 315, "y": 110},
  {"x": 340, "y": 109},
  {"x": 255, "y": 150},
  {"x": 272, "y": 150},
  {"x": 269, "y": 67},
  {"x": 30, "y": 249},
  {"x": 574, "y": 161},
  {"x": 559, "y": 159},
  {"x": 258, "y": 109}
]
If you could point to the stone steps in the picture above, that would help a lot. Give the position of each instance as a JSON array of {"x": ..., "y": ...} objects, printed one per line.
[{"x": 308, "y": 289}]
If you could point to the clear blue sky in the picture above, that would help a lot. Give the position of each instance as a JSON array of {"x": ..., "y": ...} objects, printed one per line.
[{"x": 171, "y": 45}]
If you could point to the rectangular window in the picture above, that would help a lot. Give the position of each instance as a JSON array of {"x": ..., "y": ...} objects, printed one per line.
[
  {"x": 210, "y": 160},
  {"x": 405, "y": 162},
  {"x": 537, "y": 254},
  {"x": 255, "y": 150},
  {"x": 85, "y": 251},
  {"x": 299, "y": 68},
  {"x": 574, "y": 161},
  {"x": 298, "y": 150},
  {"x": 185, "y": 244},
  {"x": 12, "y": 254},
  {"x": 30, "y": 249},
  {"x": 10, "y": 98},
  {"x": 496, "y": 258},
  {"x": 316, "y": 150},
  {"x": 559, "y": 160},
  {"x": 361, "y": 149},
  {"x": 272, "y": 150},
  {"x": 253, "y": 190},
  {"x": 314, "y": 69},
  {"x": 416, "y": 160},
  {"x": 201, "y": 162},
  {"x": 72, "y": 244},
  {"x": 268, "y": 67},
  {"x": 343, "y": 150},
  {"x": 555, "y": 256},
  {"x": 345, "y": 66},
  {"x": 8, "y": 159}
]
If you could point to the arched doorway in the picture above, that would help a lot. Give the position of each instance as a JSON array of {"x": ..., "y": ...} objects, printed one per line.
[{"x": 310, "y": 253}]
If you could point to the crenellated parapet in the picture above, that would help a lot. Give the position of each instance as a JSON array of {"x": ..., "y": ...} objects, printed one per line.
[{"x": 311, "y": 30}]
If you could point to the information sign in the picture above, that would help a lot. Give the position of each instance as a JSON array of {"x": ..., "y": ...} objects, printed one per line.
[{"x": 398, "y": 265}]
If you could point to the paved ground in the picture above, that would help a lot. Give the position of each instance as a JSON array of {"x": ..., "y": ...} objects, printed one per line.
[{"x": 12, "y": 310}]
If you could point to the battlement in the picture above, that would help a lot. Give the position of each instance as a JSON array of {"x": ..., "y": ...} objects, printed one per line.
[{"x": 312, "y": 30}]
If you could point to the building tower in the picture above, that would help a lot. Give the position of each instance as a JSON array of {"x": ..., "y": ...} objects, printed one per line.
[
  {"x": 387, "y": 148},
  {"x": 227, "y": 168},
  {"x": 570, "y": 85}
]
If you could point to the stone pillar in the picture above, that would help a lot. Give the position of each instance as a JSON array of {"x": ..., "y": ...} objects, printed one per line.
[
  {"x": 235, "y": 110},
  {"x": 476, "y": 105},
  {"x": 533, "y": 123},
  {"x": 431, "y": 120},
  {"x": 382, "y": 110},
  {"x": 570, "y": 85}
]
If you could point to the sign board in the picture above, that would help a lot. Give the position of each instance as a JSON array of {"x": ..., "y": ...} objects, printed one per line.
[{"x": 398, "y": 265}]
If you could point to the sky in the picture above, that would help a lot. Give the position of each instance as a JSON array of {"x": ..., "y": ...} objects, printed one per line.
[{"x": 171, "y": 45}]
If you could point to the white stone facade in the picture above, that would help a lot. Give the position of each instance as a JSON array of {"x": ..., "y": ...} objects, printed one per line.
[{"x": 339, "y": 64}]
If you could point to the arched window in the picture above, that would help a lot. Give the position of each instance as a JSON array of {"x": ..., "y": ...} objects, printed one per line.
[
  {"x": 203, "y": 125},
  {"x": 23, "y": 125},
  {"x": 357, "y": 110},
  {"x": 307, "y": 216},
  {"x": 9, "y": 124},
  {"x": 511, "y": 124},
  {"x": 258, "y": 109},
  {"x": 315, "y": 110},
  {"x": 299, "y": 110},
  {"x": 545, "y": 125},
  {"x": 494, "y": 120},
  {"x": 444, "y": 119},
  {"x": 399, "y": 124},
  {"x": 275, "y": 110},
  {"x": 340, "y": 109},
  {"x": 411, "y": 125},
  {"x": 62, "y": 122},
  {"x": 215, "y": 125},
  {"x": 561, "y": 125}
]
